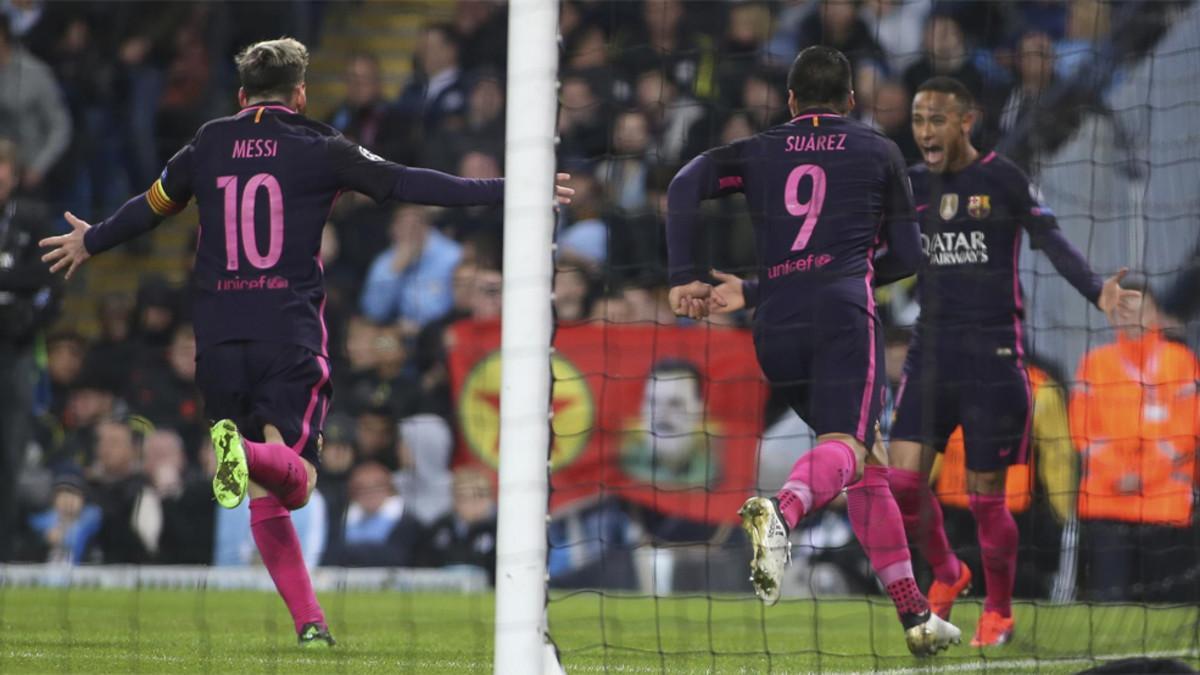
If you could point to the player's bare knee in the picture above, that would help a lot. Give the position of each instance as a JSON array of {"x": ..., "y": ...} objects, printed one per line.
[
  {"x": 986, "y": 482},
  {"x": 312, "y": 479},
  {"x": 905, "y": 455}
]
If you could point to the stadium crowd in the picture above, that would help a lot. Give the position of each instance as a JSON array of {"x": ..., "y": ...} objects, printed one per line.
[{"x": 105, "y": 456}]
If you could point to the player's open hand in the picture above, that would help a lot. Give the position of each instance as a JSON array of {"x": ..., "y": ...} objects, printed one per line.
[
  {"x": 67, "y": 250},
  {"x": 728, "y": 296},
  {"x": 562, "y": 193},
  {"x": 692, "y": 299},
  {"x": 1119, "y": 304}
]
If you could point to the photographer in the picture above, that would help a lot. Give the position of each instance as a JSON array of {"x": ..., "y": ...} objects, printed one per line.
[{"x": 27, "y": 295}]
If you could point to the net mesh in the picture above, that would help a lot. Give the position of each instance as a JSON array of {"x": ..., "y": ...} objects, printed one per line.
[
  {"x": 661, "y": 427},
  {"x": 648, "y": 568}
]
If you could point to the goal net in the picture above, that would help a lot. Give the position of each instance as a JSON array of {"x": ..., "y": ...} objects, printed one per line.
[
  {"x": 662, "y": 426},
  {"x": 659, "y": 427}
]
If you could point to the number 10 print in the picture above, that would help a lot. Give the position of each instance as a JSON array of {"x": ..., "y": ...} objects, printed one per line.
[{"x": 249, "y": 242}]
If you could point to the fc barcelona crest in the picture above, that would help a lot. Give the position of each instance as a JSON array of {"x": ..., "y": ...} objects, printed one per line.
[
  {"x": 949, "y": 207},
  {"x": 979, "y": 206}
]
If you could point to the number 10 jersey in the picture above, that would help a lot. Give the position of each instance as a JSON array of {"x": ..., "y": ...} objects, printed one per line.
[{"x": 264, "y": 181}]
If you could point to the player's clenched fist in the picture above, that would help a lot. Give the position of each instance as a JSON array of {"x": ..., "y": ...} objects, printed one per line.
[{"x": 692, "y": 299}]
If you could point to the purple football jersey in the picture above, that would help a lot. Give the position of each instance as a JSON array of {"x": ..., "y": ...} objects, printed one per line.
[
  {"x": 822, "y": 190},
  {"x": 264, "y": 181},
  {"x": 971, "y": 225}
]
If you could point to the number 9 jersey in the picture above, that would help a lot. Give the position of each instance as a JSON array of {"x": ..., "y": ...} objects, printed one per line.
[{"x": 822, "y": 191}]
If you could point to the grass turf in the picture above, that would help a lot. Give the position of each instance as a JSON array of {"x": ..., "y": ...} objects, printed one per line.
[{"x": 163, "y": 631}]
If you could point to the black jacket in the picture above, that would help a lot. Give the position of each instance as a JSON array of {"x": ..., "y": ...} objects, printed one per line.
[{"x": 28, "y": 292}]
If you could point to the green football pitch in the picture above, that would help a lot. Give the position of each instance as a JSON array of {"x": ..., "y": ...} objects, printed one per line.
[{"x": 164, "y": 631}]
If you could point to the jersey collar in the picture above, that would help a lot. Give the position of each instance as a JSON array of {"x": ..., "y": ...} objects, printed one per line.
[
  {"x": 809, "y": 113},
  {"x": 275, "y": 106}
]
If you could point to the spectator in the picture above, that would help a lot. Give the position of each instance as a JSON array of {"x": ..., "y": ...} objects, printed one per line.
[
  {"x": 1087, "y": 27},
  {"x": 581, "y": 122},
  {"x": 466, "y": 535},
  {"x": 114, "y": 350},
  {"x": 1135, "y": 418},
  {"x": 410, "y": 282},
  {"x": 27, "y": 303},
  {"x": 145, "y": 47},
  {"x": 65, "y": 530},
  {"x": 575, "y": 288},
  {"x": 31, "y": 112},
  {"x": 946, "y": 53},
  {"x": 435, "y": 96},
  {"x": 486, "y": 294},
  {"x": 647, "y": 300},
  {"x": 375, "y": 436},
  {"x": 184, "y": 496},
  {"x": 674, "y": 119},
  {"x": 426, "y": 442},
  {"x": 897, "y": 25},
  {"x": 430, "y": 349},
  {"x": 366, "y": 118},
  {"x": 743, "y": 48},
  {"x": 625, "y": 174},
  {"x": 91, "y": 400},
  {"x": 763, "y": 99},
  {"x": 483, "y": 127},
  {"x": 1035, "y": 74},
  {"x": 890, "y": 115},
  {"x": 836, "y": 23},
  {"x": 163, "y": 389},
  {"x": 64, "y": 366},
  {"x": 380, "y": 531},
  {"x": 337, "y": 459},
  {"x": 471, "y": 221},
  {"x": 587, "y": 51},
  {"x": 482, "y": 30},
  {"x": 663, "y": 42},
  {"x": 390, "y": 384},
  {"x": 585, "y": 233},
  {"x": 360, "y": 359},
  {"x": 127, "y": 532},
  {"x": 156, "y": 314}
]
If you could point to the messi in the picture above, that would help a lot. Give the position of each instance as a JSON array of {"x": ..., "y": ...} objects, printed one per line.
[{"x": 254, "y": 147}]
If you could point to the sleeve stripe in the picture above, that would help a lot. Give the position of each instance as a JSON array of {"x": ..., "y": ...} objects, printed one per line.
[{"x": 160, "y": 203}]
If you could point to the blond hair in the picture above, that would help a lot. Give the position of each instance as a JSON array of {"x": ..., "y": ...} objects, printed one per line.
[{"x": 272, "y": 67}]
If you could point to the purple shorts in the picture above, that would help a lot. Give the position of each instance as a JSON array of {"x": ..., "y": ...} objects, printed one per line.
[
  {"x": 260, "y": 383},
  {"x": 974, "y": 377},
  {"x": 830, "y": 371}
]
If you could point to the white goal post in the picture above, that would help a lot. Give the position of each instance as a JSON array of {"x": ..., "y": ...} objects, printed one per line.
[{"x": 525, "y": 336}]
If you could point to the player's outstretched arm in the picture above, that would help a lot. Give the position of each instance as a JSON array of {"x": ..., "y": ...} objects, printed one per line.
[{"x": 67, "y": 250}]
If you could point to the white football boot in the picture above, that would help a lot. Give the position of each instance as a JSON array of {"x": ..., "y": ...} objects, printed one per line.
[
  {"x": 772, "y": 551},
  {"x": 934, "y": 635}
]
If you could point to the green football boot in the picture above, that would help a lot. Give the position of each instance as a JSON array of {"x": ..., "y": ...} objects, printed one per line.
[
  {"x": 315, "y": 636},
  {"x": 233, "y": 474}
]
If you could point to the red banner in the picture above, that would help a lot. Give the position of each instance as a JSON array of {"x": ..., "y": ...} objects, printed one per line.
[{"x": 663, "y": 416}]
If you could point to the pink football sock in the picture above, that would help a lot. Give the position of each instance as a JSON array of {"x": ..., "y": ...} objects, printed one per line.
[
  {"x": 924, "y": 523},
  {"x": 271, "y": 524},
  {"x": 998, "y": 547},
  {"x": 816, "y": 478},
  {"x": 880, "y": 529},
  {"x": 278, "y": 469}
]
